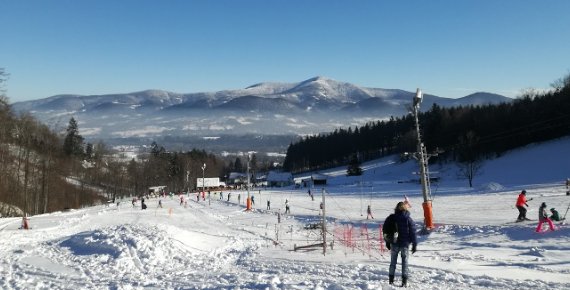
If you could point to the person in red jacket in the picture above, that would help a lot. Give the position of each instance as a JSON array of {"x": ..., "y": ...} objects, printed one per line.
[{"x": 521, "y": 203}]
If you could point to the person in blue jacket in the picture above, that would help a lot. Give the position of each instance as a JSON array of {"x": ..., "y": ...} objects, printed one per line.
[{"x": 404, "y": 234}]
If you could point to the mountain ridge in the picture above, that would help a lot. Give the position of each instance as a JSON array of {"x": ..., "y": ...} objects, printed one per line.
[{"x": 312, "y": 106}]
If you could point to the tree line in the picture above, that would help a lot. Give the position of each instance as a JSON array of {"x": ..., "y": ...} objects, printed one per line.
[
  {"x": 35, "y": 175},
  {"x": 464, "y": 134}
]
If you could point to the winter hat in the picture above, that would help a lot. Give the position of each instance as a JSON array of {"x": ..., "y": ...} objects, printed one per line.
[
  {"x": 552, "y": 209},
  {"x": 524, "y": 191},
  {"x": 543, "y": 204}
]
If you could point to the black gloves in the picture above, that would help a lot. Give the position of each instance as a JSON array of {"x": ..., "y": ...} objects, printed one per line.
[
  {"x": 414, "y": 248},
  {"x": 388, "y": 246}
]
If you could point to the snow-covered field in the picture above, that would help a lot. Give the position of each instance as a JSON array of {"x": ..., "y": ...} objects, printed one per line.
[{"x": 217, "y": 245}]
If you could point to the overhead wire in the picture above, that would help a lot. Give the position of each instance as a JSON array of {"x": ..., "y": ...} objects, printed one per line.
[{"x": 517, "y": 131}]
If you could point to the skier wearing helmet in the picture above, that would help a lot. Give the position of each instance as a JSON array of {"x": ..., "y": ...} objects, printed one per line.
[
  {"x": 543, "y": 218},
  {"x": 521, "y": 203}
]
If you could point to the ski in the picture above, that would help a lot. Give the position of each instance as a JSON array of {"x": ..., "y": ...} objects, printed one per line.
[{"x": 520, "y": 221}]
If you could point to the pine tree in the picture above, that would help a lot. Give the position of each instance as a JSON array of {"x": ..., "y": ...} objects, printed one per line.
[
  {"x": 238, "y": 167},
  {"x": 89, "y": 151},
  {"x": 354, "y": 166},
  {"x": 73, "y": 142},
  {"x": 253, "y": 163}
]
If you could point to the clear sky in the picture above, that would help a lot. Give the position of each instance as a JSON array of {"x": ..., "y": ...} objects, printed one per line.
[{"x": 447, "y": 48}]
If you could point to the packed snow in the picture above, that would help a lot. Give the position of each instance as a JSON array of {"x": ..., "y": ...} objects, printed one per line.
[{"x": 216, "y": 244}]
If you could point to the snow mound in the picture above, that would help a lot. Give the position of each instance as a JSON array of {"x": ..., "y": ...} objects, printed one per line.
[
  {"x": 491, "y": 186},
  {"x": 8, "y": 210},
  {"x": 130, "y": 244},
  {"x": 535, "y": 251}
]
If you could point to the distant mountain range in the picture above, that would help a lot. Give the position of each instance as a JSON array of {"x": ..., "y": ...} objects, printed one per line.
[{"x": 312, "y": 106}]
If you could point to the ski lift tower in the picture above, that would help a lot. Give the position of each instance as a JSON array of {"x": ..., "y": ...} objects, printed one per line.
[
  {"x": 248, "y": 200},
  {"x": 422, "y": 157},
  {"x": 204, "y": 183}
]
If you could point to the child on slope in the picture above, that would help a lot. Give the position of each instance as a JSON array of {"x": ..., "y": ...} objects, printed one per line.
[
  {"x": 543, "y": 217},
  {"x": 555, "y": 215}
]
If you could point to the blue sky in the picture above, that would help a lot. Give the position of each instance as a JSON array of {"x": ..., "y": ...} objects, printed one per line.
[{"x": 447, "y": 48}]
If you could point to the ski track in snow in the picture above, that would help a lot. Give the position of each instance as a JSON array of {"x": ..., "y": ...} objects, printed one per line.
[
  {"x": 222, "y": 247},
  {"x": 476, "y": 244}
]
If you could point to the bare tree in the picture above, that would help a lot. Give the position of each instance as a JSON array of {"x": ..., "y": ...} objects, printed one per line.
[
  {"x": 4, "y": 101},
  {"x": 470, "y": 161},
  {"x": 561, "y": 83}
]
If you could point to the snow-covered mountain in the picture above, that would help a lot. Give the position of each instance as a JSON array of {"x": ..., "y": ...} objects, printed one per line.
[{"x": 315, "y": 105}]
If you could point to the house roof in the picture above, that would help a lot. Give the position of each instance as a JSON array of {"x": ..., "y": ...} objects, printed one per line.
[
  {"x": 234, "y": 175},
  {"x": 317, "y": 176}
]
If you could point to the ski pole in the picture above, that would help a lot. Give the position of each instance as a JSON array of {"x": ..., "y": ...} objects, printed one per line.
[{"x": 566, "y": 212}]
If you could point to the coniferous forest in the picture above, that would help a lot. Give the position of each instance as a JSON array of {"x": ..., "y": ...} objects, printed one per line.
[{"x": 460, "y": 134}]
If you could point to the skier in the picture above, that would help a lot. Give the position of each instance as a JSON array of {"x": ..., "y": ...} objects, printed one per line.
[
  {"x": 542, "y": 218},
  {"x": 160, "y": 203},
  {"x": 268, "y": 204},
  {"x": 287, "y": 206},
  {"x": 521, "y": 203},
  {"x": 239, "y": 198},
  {"x": 229, "y": 194},
  {"x": 25, "y": 225},
  {"x": 252, "y": 200},
  {"x": 401, "y": 224},
  {"x": 555, "y": 216},
  {"x": 369, "y": 212},
  {"x": 143, "y": 205}
]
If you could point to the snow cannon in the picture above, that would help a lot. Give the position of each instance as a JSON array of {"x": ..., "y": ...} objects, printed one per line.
[{"x": 428, "y": 215}]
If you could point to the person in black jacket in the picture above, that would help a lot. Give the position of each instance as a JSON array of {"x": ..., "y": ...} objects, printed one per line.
[
  {"x": 543, "y": 218},
  {"x": 404, "y": 235}
]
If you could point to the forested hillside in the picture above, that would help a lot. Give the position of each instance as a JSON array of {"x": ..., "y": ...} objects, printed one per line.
[
  {"x": 35, "y": 166},
  {"x": 44, "y": 172},
  {"x": 464, "y": 133}
]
